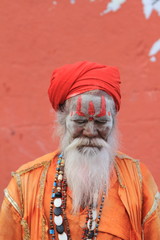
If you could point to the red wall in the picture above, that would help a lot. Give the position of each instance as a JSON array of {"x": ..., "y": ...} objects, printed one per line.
[{"x": 38, "y": 36}]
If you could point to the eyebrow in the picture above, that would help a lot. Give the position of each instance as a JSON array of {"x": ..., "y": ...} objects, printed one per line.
[
  {"x": 75, "y": 117},
  {"x": 102, "y": 118}
]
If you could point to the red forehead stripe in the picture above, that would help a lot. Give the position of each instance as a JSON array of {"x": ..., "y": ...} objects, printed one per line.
[
  {"x": 91, "y": 110},
  {"x": 79, "y": 105},
  {"x": 102, "y": 108}
]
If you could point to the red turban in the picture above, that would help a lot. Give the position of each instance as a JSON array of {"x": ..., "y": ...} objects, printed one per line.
[{"x": 73, "y": 79}]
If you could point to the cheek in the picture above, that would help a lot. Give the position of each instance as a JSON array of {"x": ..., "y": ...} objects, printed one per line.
[
  {"x": 73, "y": 129},
  {"x": 105, "y": 130},
  {"x": 110, "y": 125}
]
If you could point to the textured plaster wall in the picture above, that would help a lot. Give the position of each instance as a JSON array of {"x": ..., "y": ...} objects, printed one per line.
[{"x": 38, "y": 36}]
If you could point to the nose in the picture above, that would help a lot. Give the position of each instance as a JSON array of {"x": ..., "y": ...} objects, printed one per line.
[{"x": 90, "y": 130}]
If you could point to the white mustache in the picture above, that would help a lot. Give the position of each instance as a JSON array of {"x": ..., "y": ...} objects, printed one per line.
[{"x": 84, "y": 142}]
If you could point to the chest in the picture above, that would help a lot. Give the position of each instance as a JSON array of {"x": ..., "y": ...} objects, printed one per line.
[{"x": 114, "y": 222}]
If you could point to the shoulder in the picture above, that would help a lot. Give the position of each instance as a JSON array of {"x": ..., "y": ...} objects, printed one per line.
[
  {"x": 124, "y": 157},
  {"x": 143, "y": 171},
  {"x": 38, "y": 163},
  {"x": 127, "y": 169},
  {"x": 29, "y": 178},
  {"x": 128, "y": 164}
]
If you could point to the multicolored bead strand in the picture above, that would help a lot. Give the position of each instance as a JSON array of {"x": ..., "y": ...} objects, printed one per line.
[
  {"x": 56, "y": 203},
  {"x": 59, "y": 222}
]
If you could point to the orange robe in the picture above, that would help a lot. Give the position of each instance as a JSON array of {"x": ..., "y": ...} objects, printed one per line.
[{"x": 130, "y": 212}]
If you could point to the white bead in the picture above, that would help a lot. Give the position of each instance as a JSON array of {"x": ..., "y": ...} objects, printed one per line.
[
  {"x": 57, "y": 202},
  {"x": 93, "y": 225},
  {"x": 58, "y": 220},
  {"x": 62, "y": 236},
  {"x": 94, "y": 214},
  {"x": 60, "y": 177}
]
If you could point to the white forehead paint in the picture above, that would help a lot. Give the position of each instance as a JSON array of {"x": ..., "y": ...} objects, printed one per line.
[{"x": 91, "y": 107}]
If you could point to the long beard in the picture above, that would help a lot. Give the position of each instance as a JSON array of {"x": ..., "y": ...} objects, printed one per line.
[{"x": 88, "y": 165}]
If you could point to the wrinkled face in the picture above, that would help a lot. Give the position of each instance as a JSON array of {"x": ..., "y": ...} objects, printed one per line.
[{"x": 90, "y": 116}]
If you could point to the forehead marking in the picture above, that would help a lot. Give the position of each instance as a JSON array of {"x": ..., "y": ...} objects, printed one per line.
[
  {"x": 102, "y": 108},
  {"x": 79, "y": 105},
  {"x": 91, "y": 109}
]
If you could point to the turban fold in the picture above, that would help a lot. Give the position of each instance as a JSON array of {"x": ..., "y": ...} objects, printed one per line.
[{"x": 74, "y": 79}]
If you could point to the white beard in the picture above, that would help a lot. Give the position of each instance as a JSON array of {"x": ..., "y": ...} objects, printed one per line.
[{"x": 88, "y": 169}]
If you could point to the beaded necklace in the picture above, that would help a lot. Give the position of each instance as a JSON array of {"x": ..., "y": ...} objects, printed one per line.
[{"x": 60, "y": 224}]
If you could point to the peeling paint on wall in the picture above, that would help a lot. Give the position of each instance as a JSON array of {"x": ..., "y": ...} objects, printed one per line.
[
  {"x": 113, "y": 6},
  {"x": 149, "y": 6},
  {"x": 154, "y": 50}
]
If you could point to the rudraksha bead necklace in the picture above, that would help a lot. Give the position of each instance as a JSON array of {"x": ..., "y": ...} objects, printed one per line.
[{"x": 58, "y": 219}]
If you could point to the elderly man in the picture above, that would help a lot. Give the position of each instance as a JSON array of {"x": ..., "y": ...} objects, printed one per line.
[{"x": 85, "y": 190}]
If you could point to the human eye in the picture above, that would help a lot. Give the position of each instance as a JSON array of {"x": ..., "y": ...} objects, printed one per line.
[
  {"x": 80, "y": 121},
  {"x": 100, "y": 121}
]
